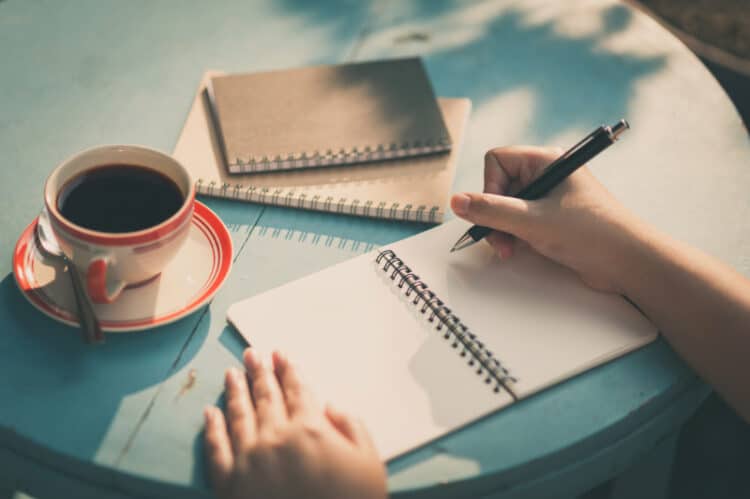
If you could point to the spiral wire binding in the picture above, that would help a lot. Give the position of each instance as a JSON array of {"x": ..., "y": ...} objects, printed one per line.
[
  {"x": 302, "y": 200},
  {"x": 455, "y": 331},
  {"x": 342, "y": 156}
]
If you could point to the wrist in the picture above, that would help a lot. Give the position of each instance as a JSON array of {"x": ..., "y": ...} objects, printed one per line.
[{"x": 638, "y": 248}]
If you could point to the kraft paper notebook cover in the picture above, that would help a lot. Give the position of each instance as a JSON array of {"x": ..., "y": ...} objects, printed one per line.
[
  {"x": 380, "y": 335},
  {"x": 414, "y": 189},
  {"x": 326, "y": 115}
]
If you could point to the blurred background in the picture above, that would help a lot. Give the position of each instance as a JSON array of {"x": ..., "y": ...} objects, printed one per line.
[{"x": 717, "y": 31}]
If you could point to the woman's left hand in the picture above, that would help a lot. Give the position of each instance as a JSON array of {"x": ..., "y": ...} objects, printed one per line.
[{"x": 280, "y": 443}]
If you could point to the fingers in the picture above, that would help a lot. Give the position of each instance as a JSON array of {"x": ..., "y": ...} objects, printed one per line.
[
  {"x": 502, "y": 213},
  {"x": 240, "y": 414},
  {"x": 218, "y": 448},
  {"x": 351, "y": 429},
  {"x": 299, "y": 400},
  {"x": 504, "y": 166},
  {"x": 496, "y": 178},
  {"x": 270, "y": 409},
  {"x": 502, "y": 243},
  {"x": 506, "y": 169}
]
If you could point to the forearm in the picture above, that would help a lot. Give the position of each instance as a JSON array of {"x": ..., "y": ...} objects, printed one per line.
[{"x": 701, "y": 306}]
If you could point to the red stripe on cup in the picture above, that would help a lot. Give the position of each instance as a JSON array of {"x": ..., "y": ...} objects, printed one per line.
[{"x": 206, "y": 221}]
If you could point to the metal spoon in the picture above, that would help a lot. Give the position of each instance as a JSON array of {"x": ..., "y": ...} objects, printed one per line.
[{"x": 46, "y": 243}]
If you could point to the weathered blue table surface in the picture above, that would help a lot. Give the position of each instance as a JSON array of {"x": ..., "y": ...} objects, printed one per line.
[{"x": 123, "y": 420}]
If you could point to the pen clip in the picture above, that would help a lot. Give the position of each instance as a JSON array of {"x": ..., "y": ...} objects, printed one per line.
[{"x": 582, "y": 143}]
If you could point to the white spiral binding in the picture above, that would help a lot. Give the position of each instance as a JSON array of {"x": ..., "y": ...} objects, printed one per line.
[
  {"x": 364, "y": 154},
  {"x": 302, "y": 200}
]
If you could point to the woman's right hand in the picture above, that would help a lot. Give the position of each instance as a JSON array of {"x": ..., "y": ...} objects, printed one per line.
[
  {"x": 700, "y": 305},
  {"x": 578, "y": 224}
]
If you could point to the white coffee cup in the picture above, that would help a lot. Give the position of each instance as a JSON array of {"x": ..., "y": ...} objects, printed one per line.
[{"x": 112, "y": 261}]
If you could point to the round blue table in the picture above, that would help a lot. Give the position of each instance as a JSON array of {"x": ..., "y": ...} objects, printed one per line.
[{"x": 124, "y": 419}]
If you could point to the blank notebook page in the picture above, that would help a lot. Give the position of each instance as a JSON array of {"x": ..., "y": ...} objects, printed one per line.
[{"x": 364, "y": 346}]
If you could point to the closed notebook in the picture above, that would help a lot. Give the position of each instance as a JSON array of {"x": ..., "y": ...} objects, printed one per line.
[
  {"x": 380, "y": 335},
  {"x": 327, "y": 115},
  {"x": 415, "y": 189}
]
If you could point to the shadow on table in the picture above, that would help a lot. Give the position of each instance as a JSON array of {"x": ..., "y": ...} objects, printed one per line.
[
  {"x": 576, "y": 82},
  {"x": 67, "y": 393},
  {"x": 233, "y": 342}
]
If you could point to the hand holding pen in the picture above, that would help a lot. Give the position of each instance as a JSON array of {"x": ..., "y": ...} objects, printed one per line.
[{"x": 549, "y": 177}]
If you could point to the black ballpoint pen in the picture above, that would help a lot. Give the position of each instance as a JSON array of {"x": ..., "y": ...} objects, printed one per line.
[{"x": 555, "y": 172}]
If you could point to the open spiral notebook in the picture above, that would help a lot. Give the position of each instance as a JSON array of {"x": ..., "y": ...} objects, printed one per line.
[{"x": 380, "y": 335}]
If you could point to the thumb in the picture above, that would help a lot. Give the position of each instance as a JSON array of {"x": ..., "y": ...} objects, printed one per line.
[{"x": 504, "y": 213}]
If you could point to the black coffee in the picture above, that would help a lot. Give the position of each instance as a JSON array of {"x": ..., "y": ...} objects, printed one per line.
[{"x": 119, "y": 198}]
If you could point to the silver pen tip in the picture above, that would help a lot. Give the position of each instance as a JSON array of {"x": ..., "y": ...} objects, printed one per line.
[{"x": 464, "y": 242}]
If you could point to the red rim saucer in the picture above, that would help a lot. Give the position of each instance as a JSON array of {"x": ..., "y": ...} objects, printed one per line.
[{"x": 188, "y": 282}]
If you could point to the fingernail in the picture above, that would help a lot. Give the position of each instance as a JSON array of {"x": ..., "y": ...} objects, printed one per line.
[
  {"x": 233, "y": 375},
  {"x": 332, "y": 410},
  {"x": 279, "y": 359},
  {"x": 208, "y": 413},
  {"x": 460, "y": 204},
  {"x": 251, "y": 359}
]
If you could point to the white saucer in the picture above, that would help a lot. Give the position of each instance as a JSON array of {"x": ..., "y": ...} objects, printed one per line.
[{"x": 188, "y": 282}]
